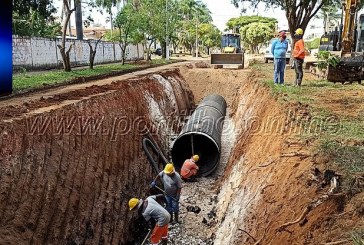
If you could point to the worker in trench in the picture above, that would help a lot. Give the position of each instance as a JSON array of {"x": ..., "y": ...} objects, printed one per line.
[
  {"x": 189, "y": 168},
  {"x": 172, "y": 183},
  {"x": 151, "y": 210}
]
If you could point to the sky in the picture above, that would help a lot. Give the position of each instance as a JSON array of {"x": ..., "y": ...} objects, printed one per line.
[{"x": 222, "y": 11}]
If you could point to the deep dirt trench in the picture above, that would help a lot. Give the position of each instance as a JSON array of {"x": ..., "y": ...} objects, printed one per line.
[{"x": 71, "y": 159}]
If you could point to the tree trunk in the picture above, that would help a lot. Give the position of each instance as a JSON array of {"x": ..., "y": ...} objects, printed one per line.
[
  {"x": 123, "y": 49},
  {"x": 93, "y": 52},
  {"x": 65, "y": 57},
  {"x": 149, "y": 54},
  {"x": 78, "y": 19},
  {"x": 111, "y": 22},
  {"x": 62, "y": 47},
  {"x": 164, "y": 49}
]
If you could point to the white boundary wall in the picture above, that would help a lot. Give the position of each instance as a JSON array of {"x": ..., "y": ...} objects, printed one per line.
[{"x": 43, "y": 53}]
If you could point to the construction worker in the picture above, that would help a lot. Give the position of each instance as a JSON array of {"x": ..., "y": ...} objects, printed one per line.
[
  {"x": 172, "y": 189},
  {"x": 151, "y": 209},
  {"x": 189, "y": 168},
  {"x": 299, "y": 56}
]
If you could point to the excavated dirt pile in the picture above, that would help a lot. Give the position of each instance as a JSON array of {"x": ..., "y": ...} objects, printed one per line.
[{"x": 70, "y": 162}]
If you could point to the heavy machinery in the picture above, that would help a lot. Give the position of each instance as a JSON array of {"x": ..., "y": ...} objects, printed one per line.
[
  {"x": 346, "y": 43},
  {"x": 231, "y": 51}
]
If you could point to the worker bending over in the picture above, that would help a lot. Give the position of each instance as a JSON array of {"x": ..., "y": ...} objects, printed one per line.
[
  {"x": 172, "y": 189},
  {"x": 150, "y": 208},
  {"x": 189, "y": 168}
]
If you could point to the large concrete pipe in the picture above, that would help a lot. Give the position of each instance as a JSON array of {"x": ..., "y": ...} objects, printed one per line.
[{"x": 202, "y": 135}]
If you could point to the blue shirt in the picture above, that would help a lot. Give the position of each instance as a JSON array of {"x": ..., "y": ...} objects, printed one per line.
[{"x": 279, "y": 48}]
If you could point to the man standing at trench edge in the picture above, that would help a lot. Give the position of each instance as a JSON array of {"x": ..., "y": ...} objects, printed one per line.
[
  {"x": 279, "y": 50},
  {"x": 172, "y": 189},
  {"x": 299, "y": 56}
]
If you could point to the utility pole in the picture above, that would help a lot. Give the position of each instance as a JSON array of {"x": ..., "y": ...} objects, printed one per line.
[
  {"x": 197, "y": 37},
  {"x": 78, "y": 19},
  {"x": 167, "y": 43},
  {"x": 69, "y": 22}
]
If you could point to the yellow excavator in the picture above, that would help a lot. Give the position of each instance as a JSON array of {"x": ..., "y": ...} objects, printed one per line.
[
  {"x": 346, "y": 45},
  {"x": 231, "y": 51}
]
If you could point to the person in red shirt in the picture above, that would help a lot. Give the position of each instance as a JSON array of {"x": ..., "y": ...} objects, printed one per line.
[
  {"x": 189, "y": 168},
  {"x": 299, "y": 56}
]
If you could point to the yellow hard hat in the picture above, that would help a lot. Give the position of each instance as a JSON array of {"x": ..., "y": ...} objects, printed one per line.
[
  {"x": 195, "y": 158},
  {"x": 168, "y": 169},
  {"x": 299, "y": 31},
  {"x": 133, "y": 202}
]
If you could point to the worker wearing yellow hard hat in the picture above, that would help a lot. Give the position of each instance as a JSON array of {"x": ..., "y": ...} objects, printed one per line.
[
  {"x": 151, "y": 209},
  {"x": 299, "y": 31},
  {"x": 172, "y": 184},
  {"x": 189, "y": 168},
  {"x": 299, "y": 56}
]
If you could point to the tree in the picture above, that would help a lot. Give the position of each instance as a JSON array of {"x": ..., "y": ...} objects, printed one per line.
[
  {"x": 255, "y": 34},
  {"x": 93, "y": 52},
  {"x": 35, "y": 18},
  {"x": 210, "y": 36},
  {"x": 298, "y": 13},
  {"x": 125, "y": 21},
  {"x": 194, "y": 13},
  {"x": 327, "y": 14},
  {"x": 62, "y": 47},
  {"x": 235, "y": 24},
  {"x": 108, "y": 4}
]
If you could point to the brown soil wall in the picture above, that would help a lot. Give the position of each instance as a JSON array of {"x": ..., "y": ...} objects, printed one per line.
[{"x": 70, "y": 163}]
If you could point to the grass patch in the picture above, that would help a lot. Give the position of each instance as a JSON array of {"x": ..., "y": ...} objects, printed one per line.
[
  {"x": 341, "y": 137},
  {"x": 348, "y": 157},
  {"x": 358, "y": 237},
  {"x": 35, "y": 80},
  {"x": 25, "y": 80}
]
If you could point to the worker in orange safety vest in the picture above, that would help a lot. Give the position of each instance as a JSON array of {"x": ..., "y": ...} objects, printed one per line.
[{"x": 189, "y": 168}]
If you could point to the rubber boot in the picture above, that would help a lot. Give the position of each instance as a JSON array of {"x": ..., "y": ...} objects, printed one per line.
[{"x": 164, "y": 242}]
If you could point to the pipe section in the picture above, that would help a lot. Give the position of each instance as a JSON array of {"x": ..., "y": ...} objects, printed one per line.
[{"x": 202, "y": 135}]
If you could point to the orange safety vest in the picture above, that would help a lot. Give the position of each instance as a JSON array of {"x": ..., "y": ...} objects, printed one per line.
[{"x": 189, "y": 168}]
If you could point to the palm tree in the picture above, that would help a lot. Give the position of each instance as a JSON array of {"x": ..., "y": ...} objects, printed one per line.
[
  {"x": 191, "y": 8},
  {"x": 328, "y": 14},
  {"x": 108, "y": 4}
]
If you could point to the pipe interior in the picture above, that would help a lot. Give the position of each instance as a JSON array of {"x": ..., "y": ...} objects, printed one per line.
[{"x": 203, "y": 146}]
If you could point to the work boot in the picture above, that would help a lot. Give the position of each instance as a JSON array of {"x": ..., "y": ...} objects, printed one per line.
[
  {"x": 171, "y": 219},
  {"x": 164, "y": 242},
  {"x": 175, "y": 221}
]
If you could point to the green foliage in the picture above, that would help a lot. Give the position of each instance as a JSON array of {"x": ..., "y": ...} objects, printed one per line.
[
  {"x": 298, "y": 13},
  {"x": 35, "y": 18},
  {"x": 243, "y": 21},
  {"x": 256, "y": 33},
  {"x": 314, "y": 44},
  {"x": 325, "y": 59},
  {"x": 210, "y": 35}
]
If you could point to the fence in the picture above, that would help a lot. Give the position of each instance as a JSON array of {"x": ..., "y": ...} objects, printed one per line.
[{"x": 42, "y": 53}]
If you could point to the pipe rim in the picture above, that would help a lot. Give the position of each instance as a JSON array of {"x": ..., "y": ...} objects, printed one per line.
[{"x": 200, "y": 133}]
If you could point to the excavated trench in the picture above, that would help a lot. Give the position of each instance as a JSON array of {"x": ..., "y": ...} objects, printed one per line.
[{"x": 71, "y": 161}]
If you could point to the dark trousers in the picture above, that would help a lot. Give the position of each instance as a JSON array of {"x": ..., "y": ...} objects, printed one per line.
[{"x": 298, "y": 67}]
